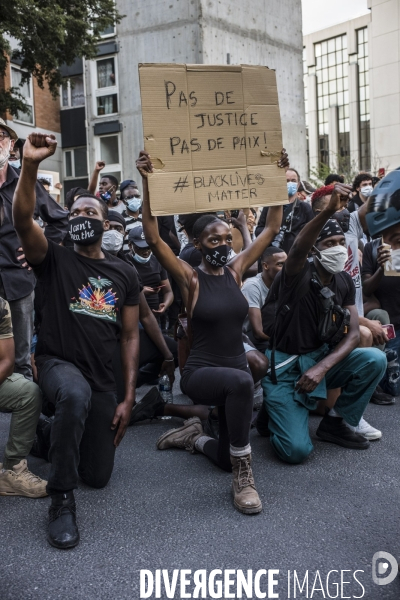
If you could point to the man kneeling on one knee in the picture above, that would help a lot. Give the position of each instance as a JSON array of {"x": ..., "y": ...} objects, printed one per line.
[
  {"x": 310, "y": 315},
  {"x": 92, "y": 297},
  {"x": 21, "y": 398}
]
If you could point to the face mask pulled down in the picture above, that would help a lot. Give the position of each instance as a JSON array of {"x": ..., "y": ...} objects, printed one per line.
[
  {"x": 217, "y": 257},
  {"x": 142, "y": 259},
  {"x": 84, "y": 231},
  {"x": 332, "y": 259}
]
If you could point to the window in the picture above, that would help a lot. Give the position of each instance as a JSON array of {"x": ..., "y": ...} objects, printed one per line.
[
  {"x": 26, "y": 89},
  {"x": 108, "y": 31},
  {"x": 363, "y": 99},
  {"x": 75, "y": 162},
  {"x": 107, "y": 90},
  {"x": 73, "y": 92},
  {"x": 109, "y": 150},
  {"x": 333, "y": 90}
]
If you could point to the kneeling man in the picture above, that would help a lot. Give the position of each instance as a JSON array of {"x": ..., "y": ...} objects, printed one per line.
[
  {"x": 310, "y": 315},
  {"x": 89, "y": 297}
]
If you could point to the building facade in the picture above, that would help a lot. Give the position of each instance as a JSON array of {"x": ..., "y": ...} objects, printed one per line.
[
  {"x": 43, "y": 116},
  {"x": 351, "y": 90},
  {"x": 183, "y": 32}
]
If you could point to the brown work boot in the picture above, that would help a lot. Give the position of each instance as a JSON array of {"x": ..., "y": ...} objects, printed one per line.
[
  {"x": 245, "y": 497},
  {"x": 182, "y": 437},
  {"x": 19, "y": 481}
]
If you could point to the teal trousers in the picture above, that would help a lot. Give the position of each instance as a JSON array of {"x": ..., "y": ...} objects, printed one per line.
[{"x": 357, "y": 375}]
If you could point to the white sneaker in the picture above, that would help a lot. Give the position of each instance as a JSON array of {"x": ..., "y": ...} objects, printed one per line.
[{"x": 365, "y": 429}]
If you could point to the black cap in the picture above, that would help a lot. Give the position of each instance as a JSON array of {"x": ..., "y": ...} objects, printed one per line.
[
  {"x": 124, "y": 184},
  {"x": 136, "y": 236},
  {"x": 114, "y": 215}
]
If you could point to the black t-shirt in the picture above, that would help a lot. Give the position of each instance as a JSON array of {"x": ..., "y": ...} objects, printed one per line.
[
  {"x": 151, "y": 274},
  {"x": 165, "y": 225},
  {"x": 298, "y": 216},
  {"x": 355, "y": 203},
  {"x": 388, "y": 291},
  {"x": 191, "y": 255},
  {"x": 81, "y": 313},
  {"x": 298, "y": 330}
]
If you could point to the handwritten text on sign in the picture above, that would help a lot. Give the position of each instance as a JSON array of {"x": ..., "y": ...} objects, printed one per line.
[{"x": 214, "y": 136}]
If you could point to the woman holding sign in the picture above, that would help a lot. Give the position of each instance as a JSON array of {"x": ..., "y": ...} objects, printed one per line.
[{"x": 216, "y": 372}]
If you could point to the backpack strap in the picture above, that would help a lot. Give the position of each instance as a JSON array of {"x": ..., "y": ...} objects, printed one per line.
[
  {"x": 281, "y": 310},
  {"x": 192, "y": 288}
]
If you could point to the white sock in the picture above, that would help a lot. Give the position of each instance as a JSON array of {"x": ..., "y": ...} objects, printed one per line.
[
  {"x": 237, "y": 452},
  {"x": 200, "y": 443},
  {"x": 333, "y": 413}
]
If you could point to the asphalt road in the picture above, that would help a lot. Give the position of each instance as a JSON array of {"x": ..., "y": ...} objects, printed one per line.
[{"x": 173, "y": 510}]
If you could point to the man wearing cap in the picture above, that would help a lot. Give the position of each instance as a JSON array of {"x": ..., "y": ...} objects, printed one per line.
[
  {"x": 153, "y": 276},
  {"x": 17, "y": 282},
  {"x": 132, "y": 199},
  {"x": 311, "y": 350}
]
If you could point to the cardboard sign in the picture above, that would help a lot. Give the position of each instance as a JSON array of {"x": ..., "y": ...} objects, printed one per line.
[{"x": 214, "y": 136}]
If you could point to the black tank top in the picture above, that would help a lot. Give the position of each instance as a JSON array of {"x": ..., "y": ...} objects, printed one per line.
[{"x": 217, "y": 323}]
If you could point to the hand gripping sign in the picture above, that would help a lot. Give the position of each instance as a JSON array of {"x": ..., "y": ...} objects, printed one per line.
[{"x": 214, "y": 136}]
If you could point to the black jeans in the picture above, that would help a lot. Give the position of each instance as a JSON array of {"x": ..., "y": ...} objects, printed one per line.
[{"x": 81, "y": 440}]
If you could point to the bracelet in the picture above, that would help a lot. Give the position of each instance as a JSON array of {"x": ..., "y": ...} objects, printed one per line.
[{"x": 169, "y": 359}]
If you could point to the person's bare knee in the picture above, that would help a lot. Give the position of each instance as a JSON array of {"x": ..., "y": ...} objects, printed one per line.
[
  {"x": 366, "y": 338},
  {"x": 258, "y": 364}
]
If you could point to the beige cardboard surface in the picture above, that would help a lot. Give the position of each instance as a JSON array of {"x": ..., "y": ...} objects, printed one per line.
[{"x": 214, "y": 135}]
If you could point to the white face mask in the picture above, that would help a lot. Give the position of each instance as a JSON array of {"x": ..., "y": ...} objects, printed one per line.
[
  {"x": 395, "y": 260},
  {"x": 141, "y": 259},
  {"x": 112, "y": 241},
  {"x": 15, "y": 163},
  {"x": 367, "y": 190},
  {"x": 332, "y": 259},
  {"x": 4, "y": 154}
]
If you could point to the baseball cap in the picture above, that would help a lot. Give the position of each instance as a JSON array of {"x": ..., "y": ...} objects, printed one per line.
[
  {"x": 124, "y": 184},
  {"x": 136, "y": 236},
  {"x": 7, "y": 128}
]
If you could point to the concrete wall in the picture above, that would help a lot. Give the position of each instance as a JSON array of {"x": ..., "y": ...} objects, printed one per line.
[
  {"x": 385, "y": 82},
  {"x": 263, "y": 32},
  {"x": 200, "y": 31}
]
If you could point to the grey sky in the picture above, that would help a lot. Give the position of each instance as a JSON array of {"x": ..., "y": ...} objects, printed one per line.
[{"x": 318, "y": 14}]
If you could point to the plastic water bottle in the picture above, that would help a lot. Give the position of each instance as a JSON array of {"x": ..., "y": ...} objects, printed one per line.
[{"x": 165, "y": 390}]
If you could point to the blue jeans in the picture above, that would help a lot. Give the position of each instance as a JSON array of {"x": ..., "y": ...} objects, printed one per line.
[{"x": 391, "y": 380}]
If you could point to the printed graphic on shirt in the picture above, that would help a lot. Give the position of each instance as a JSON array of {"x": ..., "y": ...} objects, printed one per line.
[
  {"x": 352, "y": 266},
  {"x": 96, "y": 299}
]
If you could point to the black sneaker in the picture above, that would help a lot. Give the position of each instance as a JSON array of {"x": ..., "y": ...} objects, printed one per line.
[
  {"x": 63, "y": 531},
  {"x": 151, "y": 403},
  {"x": 380, "y": 397},
  {"x": 211, "y": 426},
  {"x": 335, "y": 430},
  {"x": 262, "y": 422},
  {"x": 41, "y": 443}
]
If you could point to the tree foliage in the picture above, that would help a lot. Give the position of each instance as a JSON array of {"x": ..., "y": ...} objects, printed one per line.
[{"x": 49, "y": 33}]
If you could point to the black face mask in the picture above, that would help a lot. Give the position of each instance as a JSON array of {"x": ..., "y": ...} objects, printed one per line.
[
  {"x": 218, "y": 256},
  {"x": 84, "y": 231}
]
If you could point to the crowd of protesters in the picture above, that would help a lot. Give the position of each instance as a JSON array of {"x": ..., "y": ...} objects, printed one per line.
[{"x": 292, "y": 300}]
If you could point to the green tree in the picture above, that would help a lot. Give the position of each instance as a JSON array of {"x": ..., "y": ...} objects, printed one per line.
[{"x": 49, "y": 33}]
